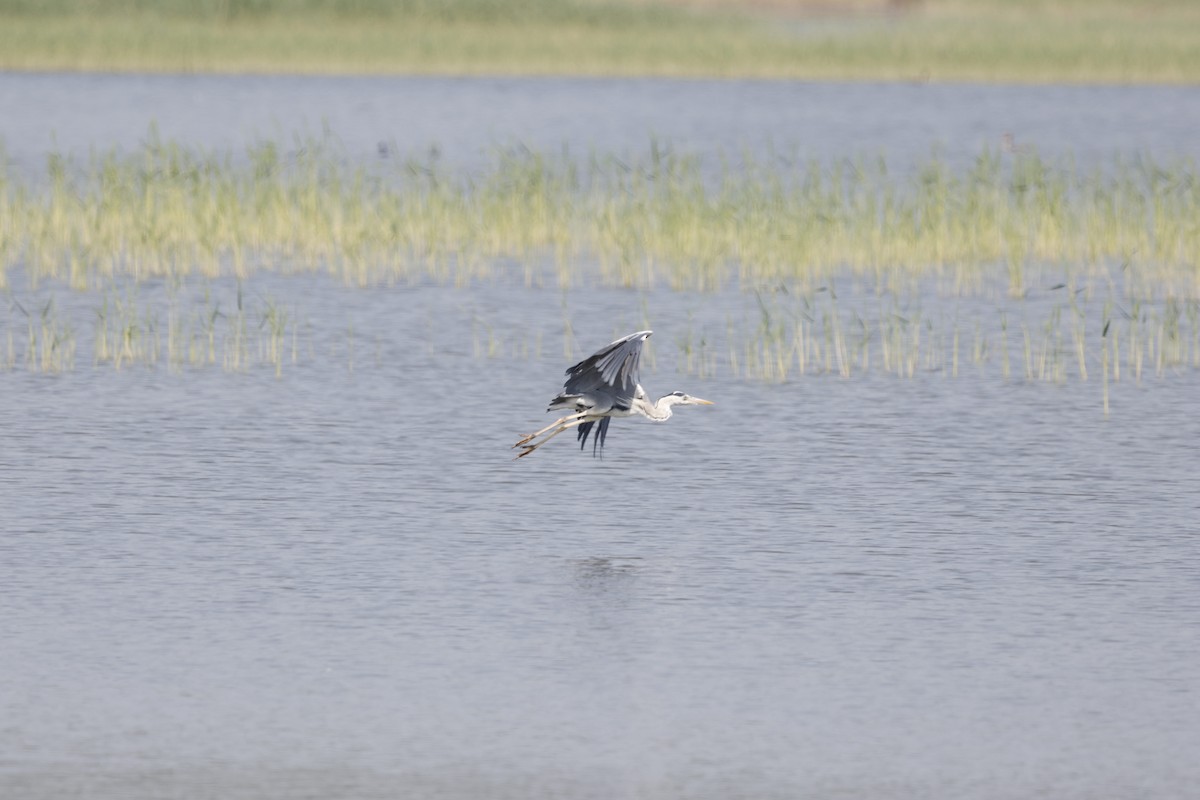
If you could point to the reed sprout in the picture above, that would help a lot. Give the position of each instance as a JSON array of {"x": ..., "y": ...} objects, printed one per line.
[
  {"x": 48, "y": 343},
  {"x": 179, "y": 330},
  {"x": 1056, "y": 342}
]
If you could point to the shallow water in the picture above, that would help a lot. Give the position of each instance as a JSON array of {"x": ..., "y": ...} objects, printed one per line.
[{"x": 337, "y": 583}]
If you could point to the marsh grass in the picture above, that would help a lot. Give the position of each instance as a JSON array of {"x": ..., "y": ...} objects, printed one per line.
[
  {"x": 1011, "y": 266},
  {"x": 38, "y": 339},
  {"x": 181, "y": 329},
  {"x": 1057, "y": 340},
  {"x": 1005, "y": 223},
  {"x": 1051, "y": 337}
]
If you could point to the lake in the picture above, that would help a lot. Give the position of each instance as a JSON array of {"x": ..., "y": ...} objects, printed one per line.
[
  {"x": 334, "y": 581},
  {"x": 464, "y": 118}
]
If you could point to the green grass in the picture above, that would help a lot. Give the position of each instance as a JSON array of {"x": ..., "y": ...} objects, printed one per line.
[
  {"x": 984, "y": 40},
  {"x": 1006, "y": 223}
]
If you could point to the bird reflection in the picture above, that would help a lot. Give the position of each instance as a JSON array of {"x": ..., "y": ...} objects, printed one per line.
[{"x": 602, "y": 575}]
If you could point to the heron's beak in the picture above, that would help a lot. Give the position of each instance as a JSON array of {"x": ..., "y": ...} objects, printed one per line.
[{"x": 700, "y": 402}]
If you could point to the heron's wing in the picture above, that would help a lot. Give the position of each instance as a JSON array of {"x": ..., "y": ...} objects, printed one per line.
[{"x": 612, "y": 371}]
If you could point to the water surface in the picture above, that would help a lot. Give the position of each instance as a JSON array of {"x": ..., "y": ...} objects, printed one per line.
[
  {"x": 466, "y": 118},
  {"x": 337, "y": 583}
]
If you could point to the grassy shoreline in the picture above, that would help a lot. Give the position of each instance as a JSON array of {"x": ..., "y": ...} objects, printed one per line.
[{"x": 940, "y": 40}]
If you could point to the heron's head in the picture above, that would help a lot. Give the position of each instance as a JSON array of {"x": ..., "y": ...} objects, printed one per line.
[{"x": 681, "y": 399}]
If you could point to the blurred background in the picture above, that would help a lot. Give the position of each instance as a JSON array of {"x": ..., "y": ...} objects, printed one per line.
[{"x": 989, "y": 40}]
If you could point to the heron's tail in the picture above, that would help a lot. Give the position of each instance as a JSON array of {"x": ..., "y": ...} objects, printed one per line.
[{"x": 565, "y": 402}]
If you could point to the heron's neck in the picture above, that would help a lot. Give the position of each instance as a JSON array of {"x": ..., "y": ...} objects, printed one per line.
[{"x": 660, "y": 409}]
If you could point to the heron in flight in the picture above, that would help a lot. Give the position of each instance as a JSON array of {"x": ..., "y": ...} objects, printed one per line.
[{"x": 602, "y": 386}]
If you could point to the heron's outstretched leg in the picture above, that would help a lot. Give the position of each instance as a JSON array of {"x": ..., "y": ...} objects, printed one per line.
[
  {"x": 576, "y": 416},
  {"x": 529, "y": 448}
]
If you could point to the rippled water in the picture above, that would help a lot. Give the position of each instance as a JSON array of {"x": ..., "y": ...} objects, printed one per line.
[
  {"x": 337, "y": 583},
  {"x": 465, "y": 118}
]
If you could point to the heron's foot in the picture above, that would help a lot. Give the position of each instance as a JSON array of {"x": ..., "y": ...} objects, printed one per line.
[{"x": 550, "y": 431}]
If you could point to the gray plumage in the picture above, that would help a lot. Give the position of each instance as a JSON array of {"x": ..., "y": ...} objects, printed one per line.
[
  {"x": 602, "y": 386},
  {"x": 606, "y": 379}
]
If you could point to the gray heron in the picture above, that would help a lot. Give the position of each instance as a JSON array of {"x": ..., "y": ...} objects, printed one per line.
[{"x": 602, "y": 386}]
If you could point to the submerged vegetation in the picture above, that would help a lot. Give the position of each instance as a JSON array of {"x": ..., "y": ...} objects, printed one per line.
[
  {"x": 1053, "y": 336},
  {"x": 976, "y": 40},
  {"x": 181, "y": 329}
]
